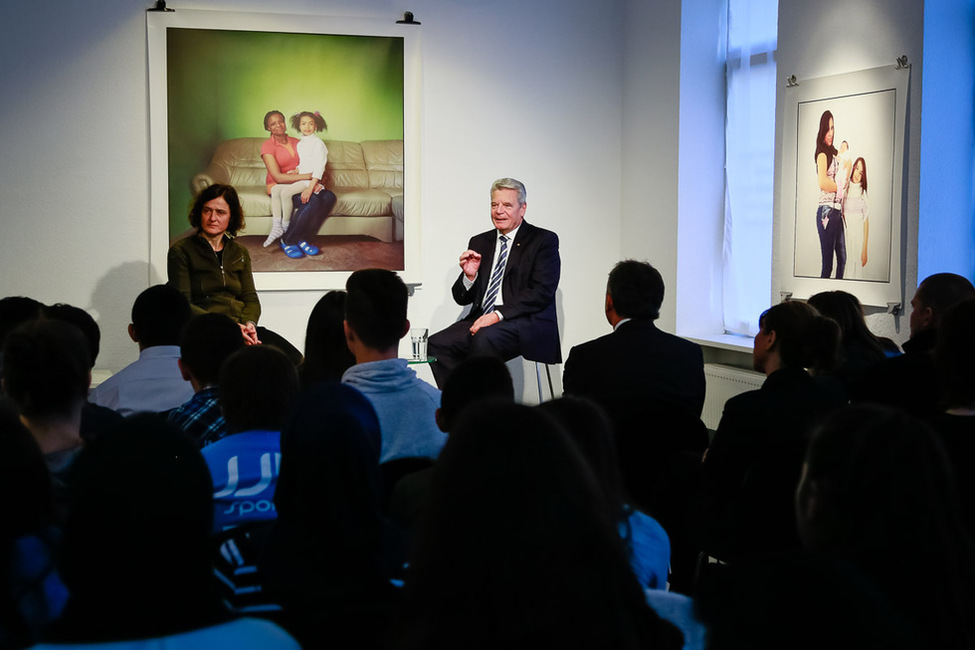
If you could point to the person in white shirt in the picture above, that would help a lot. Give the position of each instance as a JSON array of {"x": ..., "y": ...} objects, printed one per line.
[{"x": 153, "y": 382}]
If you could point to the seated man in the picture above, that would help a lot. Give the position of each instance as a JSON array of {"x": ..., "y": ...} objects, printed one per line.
[
  {"x": 207, "y": 341},
  {"x": 375, "y": 321},
  {"x": 649, "y": 382},
  {"x": 910, "y": 381},
  {"x": 153, "y": 382},
  {"x": 512, "y": 297}
]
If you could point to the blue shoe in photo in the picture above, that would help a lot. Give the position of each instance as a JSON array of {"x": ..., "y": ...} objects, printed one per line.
[
  {"x": 292, "y": 251},
  {"x": 309, "y": 248}
]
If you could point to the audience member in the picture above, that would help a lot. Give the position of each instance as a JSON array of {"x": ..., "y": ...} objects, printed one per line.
[
  {"x": 910, "y": 381},
  {"x": 80, "y": 319},
  {"x": 954, "y": 355},
  {"x": 474, "y": 379},
  {"x": 31, "y": 592},
  {"x": 94, "y": 418},
  {"x": 590, "y": 430},
  {"x": 46, "y": 373},
  {"x": 877, "y": 493},
  {"x": 331, "y": 553},
  {"x": 649, "y": 382},
  {"x": 153, "y": 382},
  {"x": 753, "y": 463},
  {"x": 859, "y": 348},
  {"x": 206, "y": 342},
  {"x": 257, "y": 387},
  {"x": 375, "y": 321},
  {"x": 517, "y": 549},
  {"x": 15, "y": 311},
  {"x": 327, "y": 355},
  {"x": 136, "y": 550}
]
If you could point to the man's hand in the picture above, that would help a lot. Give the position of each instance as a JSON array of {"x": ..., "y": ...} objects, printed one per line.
[
  {"x": 485, "y": 321},
  {"x": 249, "y": 332},
  {"x": 470, "y": 262}
]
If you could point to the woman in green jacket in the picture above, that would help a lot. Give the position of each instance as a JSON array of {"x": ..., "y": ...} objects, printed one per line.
[{"x": 213, "y": 270}]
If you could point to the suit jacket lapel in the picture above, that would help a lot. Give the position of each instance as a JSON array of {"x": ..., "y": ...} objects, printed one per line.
[{"x": 515, "y": 253}]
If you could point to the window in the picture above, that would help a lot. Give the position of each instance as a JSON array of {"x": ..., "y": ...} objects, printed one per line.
[{"x": 749, "y": 162}]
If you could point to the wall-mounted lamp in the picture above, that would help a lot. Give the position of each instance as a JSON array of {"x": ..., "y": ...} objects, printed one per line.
[
  {"x": 901, "y": 62},
  {"x": 790, "y": 81},
  {"x": 160, "y": 6}
]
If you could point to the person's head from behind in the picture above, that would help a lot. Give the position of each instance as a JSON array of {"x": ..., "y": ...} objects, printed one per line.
[
  {"x": 794, "y": 335},
  {"x": 517, "y": 505},
  {"x": 136, "y": 548},
  {"x": 846, "y": 310},
  {"x": 47, "y": 369},
  {"x": 15, "y": 311},
  {"x": 80, "y": 319},
  {"x": 474, "y": 379},
  {"x": 329, "y": 488},
  {"x": 877, "y": 491},
  {"x": 327, "y": 353},
  {"x": 592, "y": 433},
  {"x": 934, "y": 296},
  {"x": 875, "y": 478},
  {"x": 634, "y": 290},
  {"x": 954, "y": 355},
  {"x": 158, "y": 316},
  {"x": 257, "y": 386},
  {"x": 375, "y": 311},
  {"x": 217, "y": 209},
  {"x": 206, "y": 342}
]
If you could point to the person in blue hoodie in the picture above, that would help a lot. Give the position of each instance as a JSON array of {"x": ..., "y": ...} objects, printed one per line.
[{"x": 375, "y": 321}]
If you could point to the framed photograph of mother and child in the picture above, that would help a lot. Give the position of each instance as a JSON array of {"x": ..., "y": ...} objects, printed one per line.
[
  {"x": 841, "y": 214},
  {"x": 312, "y": 120}
]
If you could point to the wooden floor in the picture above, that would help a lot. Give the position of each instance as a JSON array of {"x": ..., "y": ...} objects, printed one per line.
[{"x": 339, "y": 253}]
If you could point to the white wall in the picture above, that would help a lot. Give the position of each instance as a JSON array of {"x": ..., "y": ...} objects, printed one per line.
[
  {"x": 530, "y": 90},
  {"x": 651, "y": 94}
]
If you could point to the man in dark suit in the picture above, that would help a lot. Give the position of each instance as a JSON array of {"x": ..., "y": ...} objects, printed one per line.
[
  {"x": 910, "y": 381},
  {"x": 650, "y": 383},
  {"x": 508, "y": 276}
]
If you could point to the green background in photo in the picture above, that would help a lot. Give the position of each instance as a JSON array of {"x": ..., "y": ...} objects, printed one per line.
[{"x": 221, "y": 83}]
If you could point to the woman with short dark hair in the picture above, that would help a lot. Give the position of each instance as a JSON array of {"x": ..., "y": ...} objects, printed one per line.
[{"x": 214, "y": 272}]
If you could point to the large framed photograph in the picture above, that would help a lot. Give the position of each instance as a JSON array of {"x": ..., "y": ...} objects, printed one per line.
[
  {"x": 253, "y": 100},
  {"x": 843, "y": 169}
]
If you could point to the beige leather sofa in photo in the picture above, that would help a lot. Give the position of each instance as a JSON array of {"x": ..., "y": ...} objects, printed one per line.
[{"x": 367, "y": 178}]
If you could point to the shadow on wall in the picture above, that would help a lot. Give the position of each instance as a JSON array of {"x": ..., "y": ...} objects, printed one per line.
[{"x": 111, "y": 306}]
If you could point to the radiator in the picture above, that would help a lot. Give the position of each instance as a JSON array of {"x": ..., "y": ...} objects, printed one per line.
[{"x": 724, "y": 382}]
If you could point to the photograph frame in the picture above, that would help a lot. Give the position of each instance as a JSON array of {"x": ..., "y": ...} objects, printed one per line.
[
  {"x": 881, "y": 89},
  {"x": 158, "y": 24}
]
